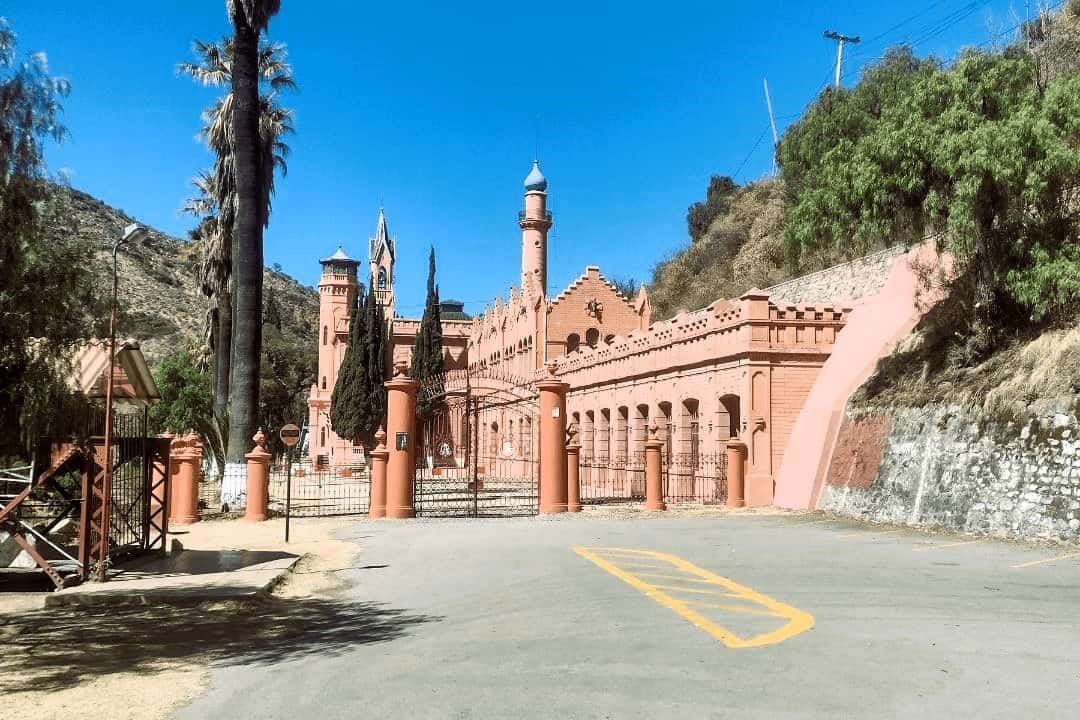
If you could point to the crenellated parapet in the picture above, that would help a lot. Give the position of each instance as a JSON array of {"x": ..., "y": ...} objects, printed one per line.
[{"x": 752, "y": 324}]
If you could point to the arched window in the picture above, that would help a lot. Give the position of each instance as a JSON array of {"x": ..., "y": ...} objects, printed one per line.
[
  {"x": 382, "y": 278},
  {"x": 324, "y": 331},
  {"x": 322, "y": 437},
  {"x": 592, "y": 336},
  {"x": 323, "y": 382},
  {"x": 573, "y": 340}
]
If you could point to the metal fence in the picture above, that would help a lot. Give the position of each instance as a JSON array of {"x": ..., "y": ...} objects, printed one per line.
[
  {"x": 323, "y": 492},
  {"x": 695, "y": 477},
  {"x": 619, "y": 480}
]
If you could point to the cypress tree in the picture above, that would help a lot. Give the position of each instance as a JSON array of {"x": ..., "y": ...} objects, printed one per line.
[
  {"x": 427, "y": 358},
  {"x": 349, "y": 401},
  {"x": 375, "y": 346}
]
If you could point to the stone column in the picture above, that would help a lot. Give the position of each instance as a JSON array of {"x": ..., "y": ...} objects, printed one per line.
[
  {"x": 400, "y": 429},
  {"x": 377, "y": 504},
  {"x": 552, "y": 442},
  {"x": 185, "y": 460},
  {"x": 258, "y": 479},
  {"x": 573, "y": 471},
  {"x": 736, "y": 472},
  {"x": 654, "y": 480}
]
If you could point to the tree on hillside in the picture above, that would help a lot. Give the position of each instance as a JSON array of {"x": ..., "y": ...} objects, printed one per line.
[
  {"x": 216, "y": 201},
  {"x": 717, "y": 200},
  {"x": 427, "y": 356},
  {"x": 251, "y": 168},
  {"x": 50, "y": 292},
  {"x": 977, "y": 154},
  {"x": 358, "y": 403}
]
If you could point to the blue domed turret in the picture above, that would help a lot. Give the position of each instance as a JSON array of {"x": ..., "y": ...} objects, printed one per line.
[{"x": 536, "y": 180}]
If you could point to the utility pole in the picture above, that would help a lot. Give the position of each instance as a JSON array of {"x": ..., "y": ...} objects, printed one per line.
[
  {"x": 840, "y": 40},
  {"x": 772, "y": 124}
]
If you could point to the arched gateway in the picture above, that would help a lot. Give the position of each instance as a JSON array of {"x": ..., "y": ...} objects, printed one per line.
[{"x": 478, "y": 452}]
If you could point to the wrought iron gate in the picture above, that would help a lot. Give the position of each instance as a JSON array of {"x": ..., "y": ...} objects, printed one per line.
[{"x": 479, "y": 449}]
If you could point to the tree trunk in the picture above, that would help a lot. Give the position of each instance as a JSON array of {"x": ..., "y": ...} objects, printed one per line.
[
  {"x": 223, "y": 353},
  {"x": 247, "y": 260}
]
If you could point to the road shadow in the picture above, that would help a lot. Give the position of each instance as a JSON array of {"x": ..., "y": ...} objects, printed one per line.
[
  {"x": 200, "y": 562},
  {"x": 52, "y": 649}
]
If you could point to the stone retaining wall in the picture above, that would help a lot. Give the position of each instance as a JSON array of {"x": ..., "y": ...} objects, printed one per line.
[
  {"x": 848, "y": 281},
  {"x": 956, "y": 468}
]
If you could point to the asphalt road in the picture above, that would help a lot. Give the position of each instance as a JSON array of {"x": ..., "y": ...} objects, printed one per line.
[{"x": 728, "y": 617}]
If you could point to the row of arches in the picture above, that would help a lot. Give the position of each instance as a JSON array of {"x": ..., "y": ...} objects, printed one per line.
[{"x": 592, "y": 339}]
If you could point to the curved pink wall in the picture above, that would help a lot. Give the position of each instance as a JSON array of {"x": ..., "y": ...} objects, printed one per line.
[{"x": 873, "y": 328}]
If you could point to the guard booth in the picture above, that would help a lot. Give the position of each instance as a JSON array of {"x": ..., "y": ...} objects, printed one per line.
[{"x": 56, "y": 512}]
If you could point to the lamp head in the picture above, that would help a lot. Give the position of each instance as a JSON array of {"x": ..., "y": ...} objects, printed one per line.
[{"x": 133, "y": 233}]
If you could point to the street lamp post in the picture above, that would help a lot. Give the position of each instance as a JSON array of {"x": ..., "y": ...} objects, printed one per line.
[{"x": 132, "y": 233}]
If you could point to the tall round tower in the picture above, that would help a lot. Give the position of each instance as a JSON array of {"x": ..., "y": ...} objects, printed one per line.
[{"x": 535, "y": 221}]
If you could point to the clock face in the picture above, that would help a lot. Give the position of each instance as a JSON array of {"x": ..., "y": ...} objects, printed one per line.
[{"x": 445, "y": 449}]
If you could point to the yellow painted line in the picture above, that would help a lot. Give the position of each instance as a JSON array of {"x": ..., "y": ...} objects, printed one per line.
[
  {"x": 1046, "y": 560},
  {"x": 868, "y": 532},
  {"x": 732, "y": 608},
  {"x": 798, "y": 621},
  {"x": 680, "y": 578},
  {"x": 648, "y": 566},
  {"x": 946, "y": 545},
  {"x": 699, "y": 591},
  {"x": 800, "y": 524}
]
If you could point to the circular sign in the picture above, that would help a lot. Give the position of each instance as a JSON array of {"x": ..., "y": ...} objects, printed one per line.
[
  {"x": 508, "y": 449},
  {"x": 445, "y": 449},
  {"x": 290, "y": 434}
]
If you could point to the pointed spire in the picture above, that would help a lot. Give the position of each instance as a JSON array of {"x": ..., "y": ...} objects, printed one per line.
[{"x": 381, "y": 240}]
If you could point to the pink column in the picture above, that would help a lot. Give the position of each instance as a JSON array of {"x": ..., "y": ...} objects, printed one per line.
[
  {"x": 379, "y": 455},
  {"x": 185, "y": 461},
  {"x": 552, "y": 443},
  {"x": 400, "y": 428},
  {"x": 573, "y": 471},
  {"x": 736, "y": 472},
  {"x": 258, "y": 480},
  {"x": 654, "y": 481}
]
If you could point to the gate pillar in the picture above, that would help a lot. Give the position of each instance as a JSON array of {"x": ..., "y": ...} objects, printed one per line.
[
  {"x": 552, "y": 442},
  {"x": 573, "y": 471},
  {"x": 258, "y": 479},
  {"x": 401, "y": 429},
  {"x": 377, "y": 506},
  {"x": 654, "y": 481},
  {"x": 736, "y": 473},
  {"x": 186, "y": 454}
]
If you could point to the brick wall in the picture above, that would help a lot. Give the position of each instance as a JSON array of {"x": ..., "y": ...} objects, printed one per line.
[{"x": 848, "y": 281}]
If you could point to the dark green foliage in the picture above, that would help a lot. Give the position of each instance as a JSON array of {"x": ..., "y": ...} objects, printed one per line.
[
  {"x": 717, "y": 200},
  {"x": 358, "y": 403},
  {"x": 48, "y": 294},
  {"x": 349, "y": 401},
  {"x": 187, "y": 398},
  {"x": 427, "y": 356},
  {"x": 977, "y": 153},
  {"x": 288, "y": 372}
]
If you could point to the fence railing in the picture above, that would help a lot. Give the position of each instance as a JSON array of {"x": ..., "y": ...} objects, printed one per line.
[{"x": 695, "y": 477}]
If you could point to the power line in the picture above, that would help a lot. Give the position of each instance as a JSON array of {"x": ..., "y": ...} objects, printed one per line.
[{"x": 750, "y": 154}]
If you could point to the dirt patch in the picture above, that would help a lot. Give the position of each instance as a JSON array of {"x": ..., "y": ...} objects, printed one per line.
[{"x": 141, "y": 663}]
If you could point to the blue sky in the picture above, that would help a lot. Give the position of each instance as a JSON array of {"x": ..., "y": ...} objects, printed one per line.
[{"x": 437, "y": 108}]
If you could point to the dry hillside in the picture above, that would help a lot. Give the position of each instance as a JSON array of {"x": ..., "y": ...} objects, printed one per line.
[{"x": 161, "y": 304}]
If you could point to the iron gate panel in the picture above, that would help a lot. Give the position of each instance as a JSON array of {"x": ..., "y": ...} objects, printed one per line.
[{"x": 478, "y": 455}]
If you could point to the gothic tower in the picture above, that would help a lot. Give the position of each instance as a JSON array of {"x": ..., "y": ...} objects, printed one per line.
[
  {"x": 381, "y": 249},
  {"x": 535, "y": 221}
]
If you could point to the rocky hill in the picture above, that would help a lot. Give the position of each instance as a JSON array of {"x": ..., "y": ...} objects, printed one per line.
[{"x": 160, "y": 301}]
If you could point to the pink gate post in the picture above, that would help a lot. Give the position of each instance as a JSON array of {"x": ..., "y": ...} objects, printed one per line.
[
  {"x": 654, "y": 481},
  {"x": 185, "y": 460},
  {"x": 573, "y": 471},
  {"x": 379, "y": 455},
  {"x": 400, "y": 428},
  {"x": 736, "y": 473},
  {"x": 258, "y": 479},
  {"x": 552, "y": 442}
]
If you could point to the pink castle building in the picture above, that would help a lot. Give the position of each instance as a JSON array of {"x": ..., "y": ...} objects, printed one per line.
[{"x": 739, "y": 368}]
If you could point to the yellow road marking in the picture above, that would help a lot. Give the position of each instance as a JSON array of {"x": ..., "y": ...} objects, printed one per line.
[
  {"x": 672, "y": 577},
  {"x": 870, "y": 532},
  {"x": 946, "y": 545},
  {"x": 1046, "y": 560},
  {"x": 800, "y": 524},
  {"x": 798, "y": 621},
  {"x": 733, "y": 608},
  {"x": 699, "y": 591}
]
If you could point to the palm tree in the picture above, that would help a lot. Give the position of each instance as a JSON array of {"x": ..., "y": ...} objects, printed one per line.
[
  {"x": 217, "y": 201},
  {"x": 249, "y": 19}
]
